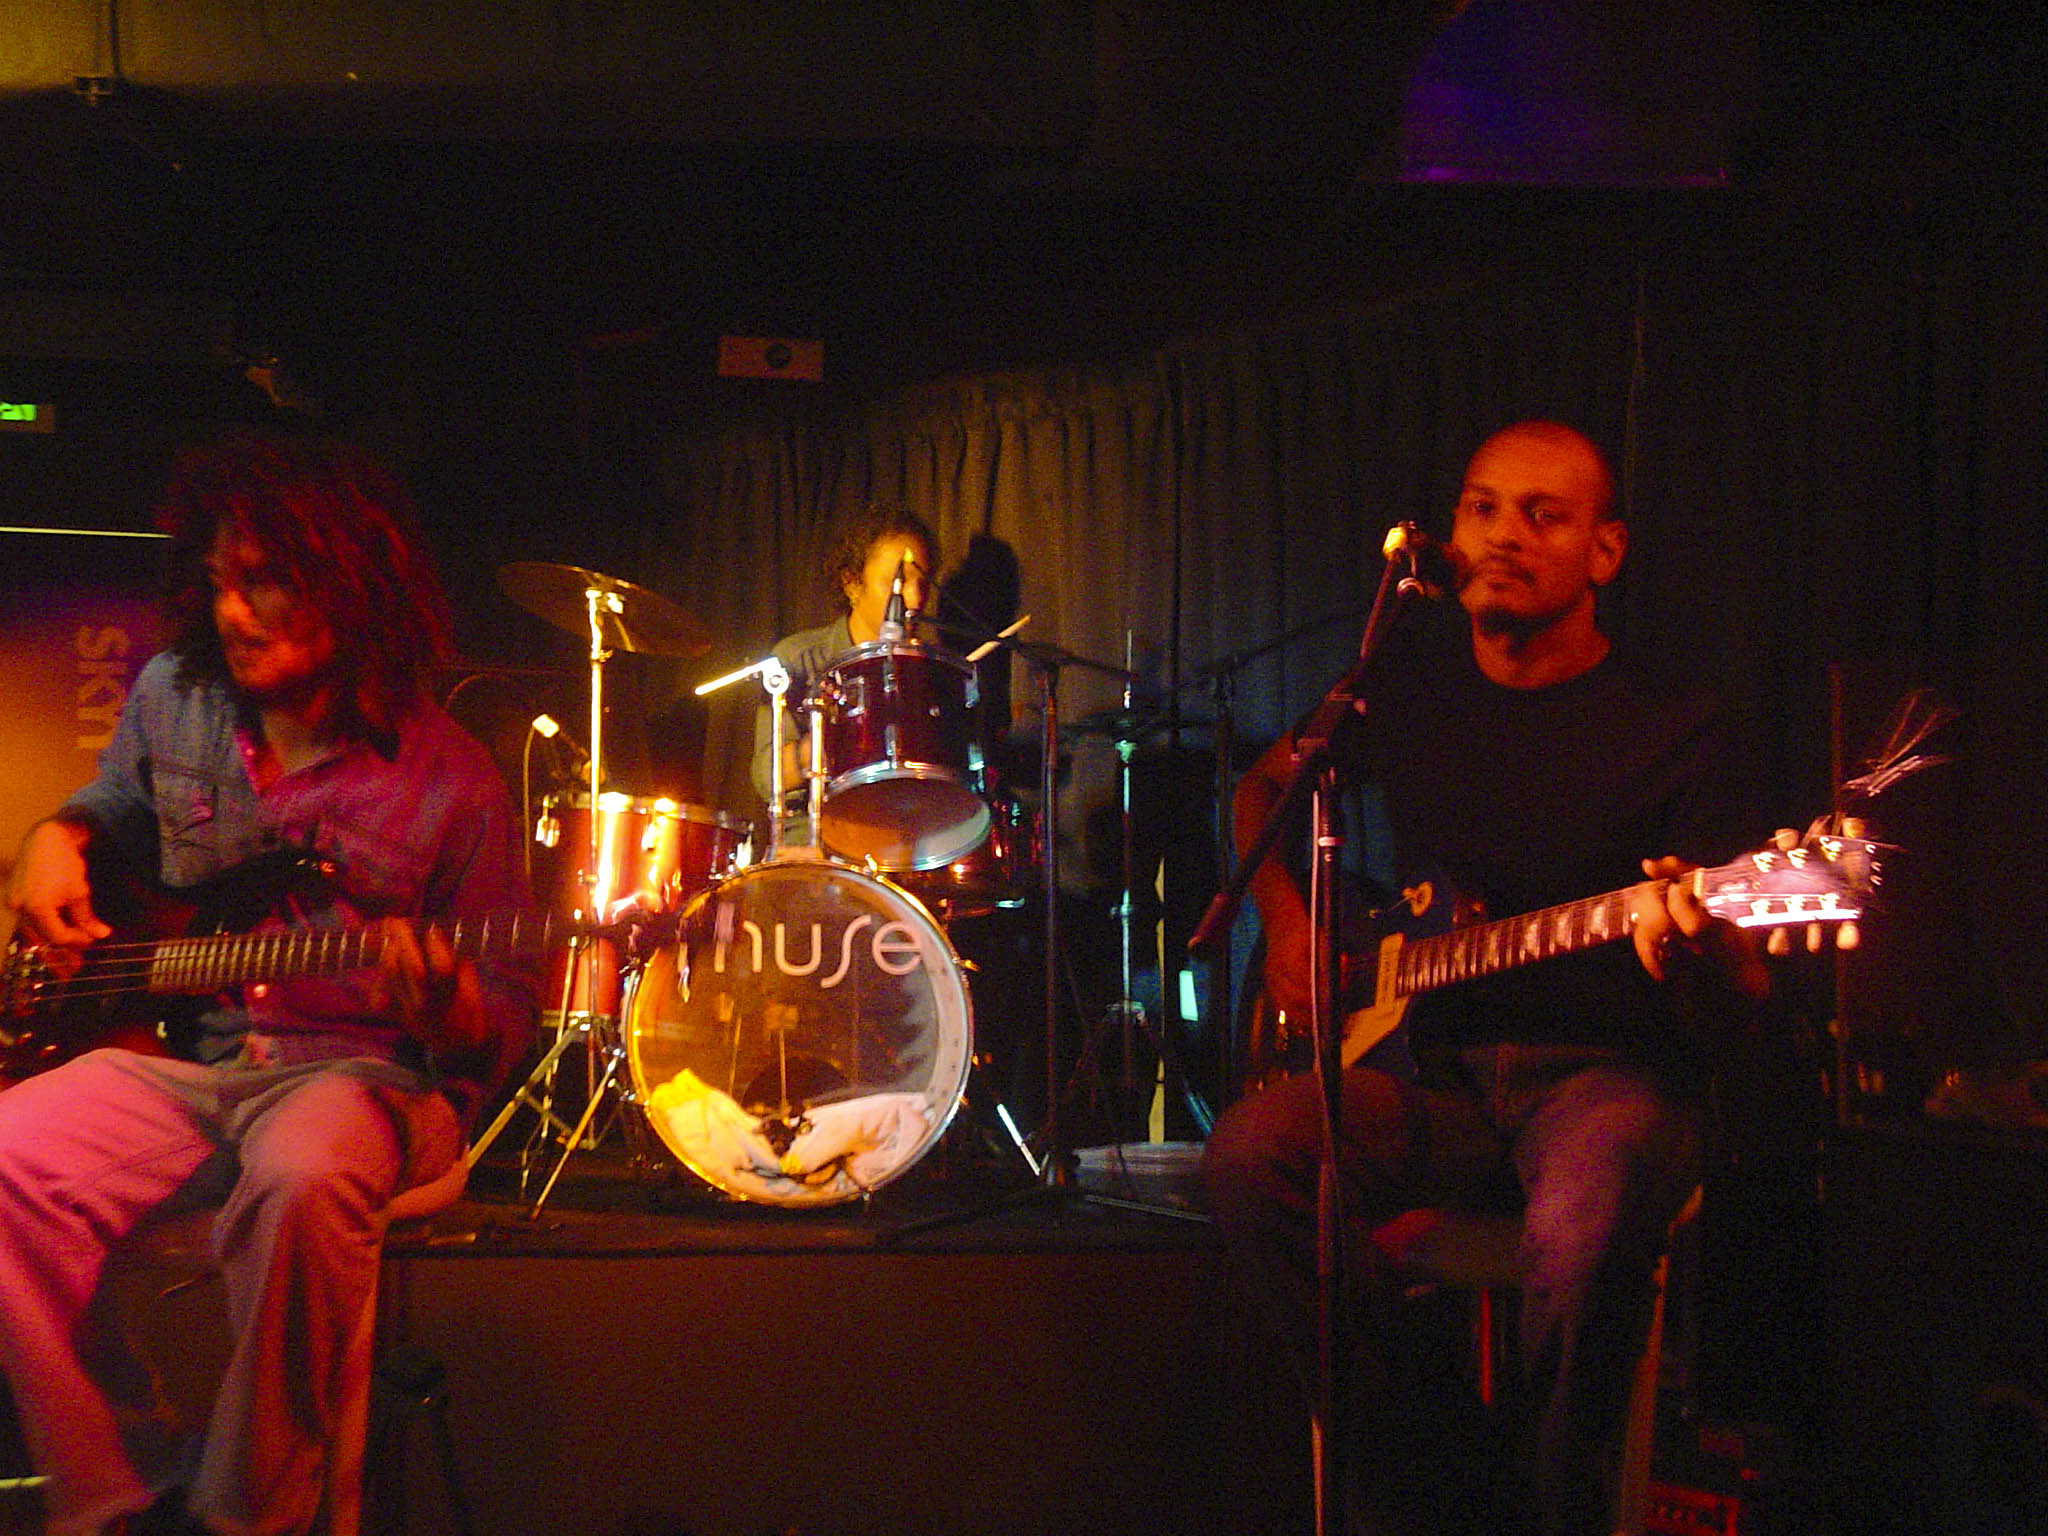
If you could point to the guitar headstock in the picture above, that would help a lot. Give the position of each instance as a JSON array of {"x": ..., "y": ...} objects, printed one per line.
[{"x": 1822, "y": 882}]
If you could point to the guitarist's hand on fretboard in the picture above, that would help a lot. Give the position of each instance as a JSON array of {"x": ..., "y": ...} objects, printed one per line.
[
  {"x": 1668, "y": 918},
  {"x": 438, "y": 998}
]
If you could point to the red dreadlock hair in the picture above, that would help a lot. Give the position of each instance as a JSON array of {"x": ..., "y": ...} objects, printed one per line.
[{"x": 341, "y": 531}]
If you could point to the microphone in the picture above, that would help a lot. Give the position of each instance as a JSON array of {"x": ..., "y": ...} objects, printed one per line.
[
  {"x": 1434, "y": 567},
  {"x": 893, "y": 617},
  {"x": 546, "y": 725}
]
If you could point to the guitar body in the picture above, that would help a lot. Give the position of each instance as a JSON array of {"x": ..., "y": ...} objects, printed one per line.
[
  {"x": 56, "y": 1004},
  {"x": 1374, "y": 1011},
  {"x": 1375, "y": 1001}
]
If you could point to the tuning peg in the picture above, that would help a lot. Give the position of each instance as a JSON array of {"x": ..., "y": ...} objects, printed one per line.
[
  {"x": 1848, "y": 935},
  {"x": 1779, "y": 942},
  {"x": 1853, "y": 826},
  {"x": 1813, "y": 938},
  {"x": 1786, "y": 839}
]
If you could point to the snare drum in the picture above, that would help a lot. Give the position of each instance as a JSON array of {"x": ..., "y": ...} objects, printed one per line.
[
  {"x": 653, "y": 853},
  {"x": 897, "y": 721},
  {"x": 805, "y": 1038}
]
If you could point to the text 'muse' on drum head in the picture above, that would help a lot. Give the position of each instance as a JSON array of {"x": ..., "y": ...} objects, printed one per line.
[{"x": 805, "y": 1039}]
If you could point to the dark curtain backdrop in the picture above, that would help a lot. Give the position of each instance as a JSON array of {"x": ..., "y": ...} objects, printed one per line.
[{"x": 1831, "y": 448}]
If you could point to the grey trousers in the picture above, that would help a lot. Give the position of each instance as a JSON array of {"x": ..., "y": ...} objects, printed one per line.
[{"x": 302, "y": 1161}]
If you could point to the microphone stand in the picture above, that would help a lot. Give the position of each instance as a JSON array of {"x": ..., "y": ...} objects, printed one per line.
[
  {"x": 1054, "y": 1173},
  {"x": 1314, "y": 777},
  {"x": 1219, "y": 1008}
]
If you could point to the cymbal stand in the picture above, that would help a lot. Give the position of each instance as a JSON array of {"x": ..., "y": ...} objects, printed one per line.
[
  {"x": 1127, "y": 1012},
  {"x": 1053, "y": 1168},
  {"x": 604, "y": 1049}
]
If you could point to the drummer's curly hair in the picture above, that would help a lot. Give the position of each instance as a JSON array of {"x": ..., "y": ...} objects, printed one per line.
[
  {"x": 858, "y": 537},
  {"x": 341, "y": 531}
]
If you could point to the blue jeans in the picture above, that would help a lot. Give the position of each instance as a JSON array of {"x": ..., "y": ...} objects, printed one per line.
[{"x": 1603, "y": 1157}]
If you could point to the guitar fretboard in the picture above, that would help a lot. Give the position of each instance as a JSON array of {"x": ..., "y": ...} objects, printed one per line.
[
  {"x": 1821, "y": 881},
  {"x": 1487, "y": 948},
  {"x": 213, "y": 962}
]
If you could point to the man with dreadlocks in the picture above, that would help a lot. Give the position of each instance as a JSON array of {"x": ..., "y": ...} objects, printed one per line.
[{"x": 288, "y": 717}]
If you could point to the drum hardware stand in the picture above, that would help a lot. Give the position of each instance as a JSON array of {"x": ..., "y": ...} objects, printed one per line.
[
  {"x": 601, "y": 601},
  {"x": 1054, "y": 1166},
  {"x": 1314, "y": 778},
  {"x": 775, "y": 680},
  {"x": 1126, "y": 1013}
]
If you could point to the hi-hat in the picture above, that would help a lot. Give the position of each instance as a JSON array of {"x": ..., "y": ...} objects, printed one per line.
[{"x": 632, "y": 618}]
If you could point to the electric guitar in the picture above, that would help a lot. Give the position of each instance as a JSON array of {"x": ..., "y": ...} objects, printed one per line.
[
  {"x": 146, "y": 992},
  {"x": 1822, "y": 883}
]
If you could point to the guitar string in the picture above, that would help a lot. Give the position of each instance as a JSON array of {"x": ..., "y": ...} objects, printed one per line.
[{"x": 1463, "y": 954}]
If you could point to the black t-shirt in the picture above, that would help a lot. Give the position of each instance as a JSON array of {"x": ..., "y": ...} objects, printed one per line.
[{"x": 1527, "y": 798}]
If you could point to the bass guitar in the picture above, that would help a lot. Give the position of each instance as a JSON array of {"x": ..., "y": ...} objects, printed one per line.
[{"x": 175, "y": 952}]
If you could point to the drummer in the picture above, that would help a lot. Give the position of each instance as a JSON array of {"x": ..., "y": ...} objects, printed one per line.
[{"x": 875, "y": 545}]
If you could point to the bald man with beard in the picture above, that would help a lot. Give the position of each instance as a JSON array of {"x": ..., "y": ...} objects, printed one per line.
[{"x": 1523, "y": 760}]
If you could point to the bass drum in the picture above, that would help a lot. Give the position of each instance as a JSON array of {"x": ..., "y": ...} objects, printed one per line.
[{"x": 805, "y": 1039}]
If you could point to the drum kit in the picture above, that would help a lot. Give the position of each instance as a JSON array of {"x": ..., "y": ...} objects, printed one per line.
[{"x": 795, "y": 1029}]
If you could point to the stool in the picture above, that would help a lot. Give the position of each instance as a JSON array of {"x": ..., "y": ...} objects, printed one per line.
[
  {"x": 182, "y": 1246},
  {"x": 1481, "y": 1252}
]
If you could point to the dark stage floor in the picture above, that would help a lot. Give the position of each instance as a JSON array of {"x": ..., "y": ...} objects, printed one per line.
[
  {"x": 964, "y": 1351},
  {"x": 617, "y": 1200}
]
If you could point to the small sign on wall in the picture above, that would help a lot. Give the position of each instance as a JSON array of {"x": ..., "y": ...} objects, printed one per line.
[{"x": 768, "y": 357}]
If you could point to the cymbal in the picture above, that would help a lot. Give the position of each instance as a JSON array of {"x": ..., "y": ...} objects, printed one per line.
[
  {"x": 631, "y": 617},
  {"x": 1129, "y": 724}
]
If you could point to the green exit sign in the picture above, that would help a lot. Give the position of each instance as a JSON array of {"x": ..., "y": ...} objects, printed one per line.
[{"x": 26, "y": 416}]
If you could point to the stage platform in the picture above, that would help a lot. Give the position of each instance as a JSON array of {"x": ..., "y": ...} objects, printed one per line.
[
  {"x": 965, "y": 1352},
  {"x": 649, "y": 1358}
]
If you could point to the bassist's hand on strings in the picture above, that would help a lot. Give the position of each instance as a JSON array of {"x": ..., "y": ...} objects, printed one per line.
[
  {"x": 437, "y": 998},
  {"x": 1668, "y": 924},
  {"x": 49, "y": 890}
]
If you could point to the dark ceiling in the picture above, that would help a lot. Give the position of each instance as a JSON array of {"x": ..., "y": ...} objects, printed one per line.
[{"x": 946, "y": 182}]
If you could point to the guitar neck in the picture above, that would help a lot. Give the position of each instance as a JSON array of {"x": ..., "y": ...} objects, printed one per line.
[
  {"x": 1485, "y": 949},
  {"x": 212, "y": 962},
  {"x": 1820, "y": 881}
]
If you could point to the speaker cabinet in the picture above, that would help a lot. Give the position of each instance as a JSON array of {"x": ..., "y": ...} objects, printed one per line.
[{"x": 1937, "y": 1332}]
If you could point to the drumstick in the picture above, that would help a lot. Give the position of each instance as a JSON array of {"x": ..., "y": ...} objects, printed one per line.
[{"x": 987, "y": 646}]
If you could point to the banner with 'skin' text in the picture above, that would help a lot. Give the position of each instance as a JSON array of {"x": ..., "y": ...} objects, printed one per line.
[{"x": 80, "y": 612}]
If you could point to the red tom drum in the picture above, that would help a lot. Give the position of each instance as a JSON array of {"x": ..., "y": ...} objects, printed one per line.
[
  {"x": 897, "y": 722},
  {"x": 655, "y": 854}
]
